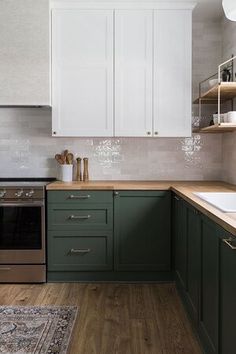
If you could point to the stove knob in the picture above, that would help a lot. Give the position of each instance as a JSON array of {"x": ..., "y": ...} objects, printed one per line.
[
  {"x": 19, "y": 193},
  {"x": 2, "y": 193},
  {"x": 29, "y": 194}
]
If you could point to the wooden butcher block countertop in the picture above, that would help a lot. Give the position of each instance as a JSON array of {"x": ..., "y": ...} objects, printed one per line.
[{"x": 184, "y": 189}]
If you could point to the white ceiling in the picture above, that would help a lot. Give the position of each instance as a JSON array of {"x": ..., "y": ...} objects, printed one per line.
[{"x": 208, "y": 10}]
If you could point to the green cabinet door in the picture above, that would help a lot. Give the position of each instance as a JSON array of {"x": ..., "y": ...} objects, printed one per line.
[
  {"x": 227, "y": 295},
  {"x": 187, "y": 247},
  {"x": 193, "y": 261},
  {"x": 180, "y": 241},
  {"x": 209, "y": 294},
  {"x": 142, "y": 224}
]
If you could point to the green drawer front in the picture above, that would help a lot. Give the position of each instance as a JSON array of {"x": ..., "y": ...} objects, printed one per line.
[
  {"x": 79, "y": 251},
  {"x": 80, "y": 197},
  {"x": 63, "y": 217}
]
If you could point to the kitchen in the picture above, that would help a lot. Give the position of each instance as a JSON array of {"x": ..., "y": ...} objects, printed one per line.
[{"x": 117, "y": 185}]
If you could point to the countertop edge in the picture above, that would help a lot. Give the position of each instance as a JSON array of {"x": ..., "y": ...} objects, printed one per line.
[{"x": 125, "y": 185}]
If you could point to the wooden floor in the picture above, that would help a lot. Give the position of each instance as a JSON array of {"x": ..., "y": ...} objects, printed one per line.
[{"x": 116, "y": 318}]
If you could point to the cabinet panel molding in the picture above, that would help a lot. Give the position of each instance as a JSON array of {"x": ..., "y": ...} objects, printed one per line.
[
  {"x": 82, "y": 71},
  {"x": 172, "y": 72},
  {"x": 133, "y": 72}
]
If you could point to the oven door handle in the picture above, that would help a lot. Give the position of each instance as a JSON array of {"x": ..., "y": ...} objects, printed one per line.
[{"x": 22, "y": 204}]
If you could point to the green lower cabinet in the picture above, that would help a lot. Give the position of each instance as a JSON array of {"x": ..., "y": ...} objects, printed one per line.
[
  {"x": 227, "y": 295},
  {"x": 187, "y": 253},
  {"x": 105, "y": 235},
  {"x": 193, "y": 261},
  {"x": 80, "y": 251},
  {"x": 209, "y": 292},
  {"x": 142, "y": 222},
  {"x": 200, "y": 291},
  {"x": 180, "y": 241}
]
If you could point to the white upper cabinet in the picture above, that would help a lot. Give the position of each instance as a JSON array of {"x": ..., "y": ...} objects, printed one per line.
[
  {"x": 133, "y": 72},
  {"x": 82, "y": 72},
  {"x": 172, "y": 73},
  {"x": 24, "y": 53},
  {"x": 121, "y": 68}
]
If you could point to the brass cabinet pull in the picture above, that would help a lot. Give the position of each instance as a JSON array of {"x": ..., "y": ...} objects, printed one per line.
[
  {"x": 80, "y": 251},
  {"x": 79, "y": 217},
  {"x": 228, "y": 242},
  {"x": 72, "y": 196}
]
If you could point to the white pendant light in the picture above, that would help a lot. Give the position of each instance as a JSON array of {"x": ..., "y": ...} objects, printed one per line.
[{"x": 229, "y": 7}]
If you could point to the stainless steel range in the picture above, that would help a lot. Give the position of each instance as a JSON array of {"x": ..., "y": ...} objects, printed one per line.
[{"x": 22, "y": 232}]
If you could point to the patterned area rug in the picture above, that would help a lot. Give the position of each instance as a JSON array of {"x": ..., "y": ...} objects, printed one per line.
[{"x": 36, "y": 330}]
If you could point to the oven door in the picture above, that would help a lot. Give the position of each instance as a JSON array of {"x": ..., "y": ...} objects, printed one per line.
[{"x": 22, "y": 233}]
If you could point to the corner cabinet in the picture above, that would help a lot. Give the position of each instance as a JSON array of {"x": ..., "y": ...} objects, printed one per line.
[
  {"x": 200, "y": 263},
  {"x": 209, "y": 287},
  {"x": 119, "y": 69}
]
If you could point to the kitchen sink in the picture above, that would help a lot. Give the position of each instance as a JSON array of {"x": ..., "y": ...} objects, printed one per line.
[{"x": 225, "y": 202}]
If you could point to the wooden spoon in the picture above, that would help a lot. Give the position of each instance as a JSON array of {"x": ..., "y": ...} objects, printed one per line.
[
  {"x": 64, "y": 155},
  {"x": 69, "y": 158},
  {"x": 59, "y": 159}
]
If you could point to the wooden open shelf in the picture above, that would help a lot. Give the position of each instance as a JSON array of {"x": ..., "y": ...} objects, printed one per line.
[
  {"x": 217, "y": 128},
  {"x": 227, "y": 92}
]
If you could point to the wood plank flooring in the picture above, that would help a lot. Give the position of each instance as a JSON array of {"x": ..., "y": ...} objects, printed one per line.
[{"x": 116, "y": 318}]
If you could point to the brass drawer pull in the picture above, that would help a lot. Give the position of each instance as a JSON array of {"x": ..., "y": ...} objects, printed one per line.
[
  {"x": 79, "y": 196},
  {"x": 229, "y": 243},
  {"x": 80, "y": 251},
  {"x": 79, "y": 217}
]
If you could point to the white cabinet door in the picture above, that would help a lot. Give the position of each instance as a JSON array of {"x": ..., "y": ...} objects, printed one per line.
[
  {"x": 172, "y": 72},
  {"x": 82, "y": 72},
  {"x": 133, "y": 72},
  {"x": 24, "y": 52}
]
